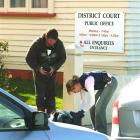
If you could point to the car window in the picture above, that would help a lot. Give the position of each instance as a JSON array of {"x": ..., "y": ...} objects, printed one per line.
[{"x": 11, "y": 116}]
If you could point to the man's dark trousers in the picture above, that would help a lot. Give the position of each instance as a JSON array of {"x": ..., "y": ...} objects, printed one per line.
[{"x": 45, "y": 93}]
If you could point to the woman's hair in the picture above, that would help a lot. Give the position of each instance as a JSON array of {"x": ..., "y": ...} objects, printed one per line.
[{"x": 70, "y": 84}]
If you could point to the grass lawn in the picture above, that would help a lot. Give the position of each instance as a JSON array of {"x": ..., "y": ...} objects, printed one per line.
[{"x": 25, "y": 92}]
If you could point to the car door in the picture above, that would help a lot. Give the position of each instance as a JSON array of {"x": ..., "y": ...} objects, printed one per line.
[{"x": 13, "y": 123}]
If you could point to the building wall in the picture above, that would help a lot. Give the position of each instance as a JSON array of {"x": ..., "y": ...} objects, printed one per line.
[{"x": 21, "y": 31}]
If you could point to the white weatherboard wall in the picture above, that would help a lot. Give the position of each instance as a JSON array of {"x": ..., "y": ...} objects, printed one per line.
[
  {"x": 20, "y": 31},
  {"x": 133, "y": 33}
]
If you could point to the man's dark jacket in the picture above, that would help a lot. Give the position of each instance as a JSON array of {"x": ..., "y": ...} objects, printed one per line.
[{"x": 39, "y": 54}]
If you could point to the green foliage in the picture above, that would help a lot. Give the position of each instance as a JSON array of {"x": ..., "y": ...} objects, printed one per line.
[
  {"x": 5, "y": 76},
  {"x": 25, "y": 91},
  {"x": 3, "y": 51}
]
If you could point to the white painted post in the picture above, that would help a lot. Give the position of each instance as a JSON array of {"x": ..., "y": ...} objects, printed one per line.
[{"x": 73, "y": 66}]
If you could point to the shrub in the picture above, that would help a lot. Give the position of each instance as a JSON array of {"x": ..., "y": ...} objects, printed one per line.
[{"x": 5, "y": 76}]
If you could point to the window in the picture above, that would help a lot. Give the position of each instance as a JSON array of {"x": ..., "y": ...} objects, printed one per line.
[
  {"x": 39, "y": 3},
  {"x": 2, "y": 9},
  {"x": 27, "y": 6},
  {"x": 11, "y": 117},
  {"x": 17, "y": 3},
  {"x": 1, "y": 3}
]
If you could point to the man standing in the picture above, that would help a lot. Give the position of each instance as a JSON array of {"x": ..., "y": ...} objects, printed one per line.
[{"x": 46, "y": 55}]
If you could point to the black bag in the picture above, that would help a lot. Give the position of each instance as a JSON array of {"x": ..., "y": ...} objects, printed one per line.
[{"x": 69, "y": 117}]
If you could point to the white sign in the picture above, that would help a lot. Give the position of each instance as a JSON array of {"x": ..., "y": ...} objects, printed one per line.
[{"x": 100, "y": 31}]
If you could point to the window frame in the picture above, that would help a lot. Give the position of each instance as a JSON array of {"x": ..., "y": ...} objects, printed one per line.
[
  {"x": 27, "y": 10},
  {"x": 14, "y": 9}
]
